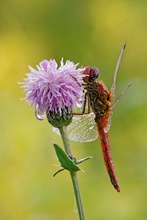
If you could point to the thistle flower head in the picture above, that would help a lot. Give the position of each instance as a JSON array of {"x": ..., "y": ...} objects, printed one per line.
[{"x": 54, "y": 89}]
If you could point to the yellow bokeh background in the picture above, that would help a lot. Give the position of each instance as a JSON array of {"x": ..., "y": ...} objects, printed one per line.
[{"x": 91, "y": 33}]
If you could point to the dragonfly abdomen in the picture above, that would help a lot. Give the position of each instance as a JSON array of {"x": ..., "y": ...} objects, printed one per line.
[{"x": 104, "y": 139}]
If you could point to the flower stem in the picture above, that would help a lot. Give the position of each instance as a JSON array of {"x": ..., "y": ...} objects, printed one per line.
[
  {"x": 65, "y": 140},
  {"x": 73, "y": 175},
  {"x": 77, "y": 195}
]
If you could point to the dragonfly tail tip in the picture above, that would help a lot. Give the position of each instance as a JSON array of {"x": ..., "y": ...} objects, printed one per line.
[{"x": 118, "y": 189}]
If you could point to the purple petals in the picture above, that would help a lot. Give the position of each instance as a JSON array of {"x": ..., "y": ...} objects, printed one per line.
[{"x": 52, "y": 88}]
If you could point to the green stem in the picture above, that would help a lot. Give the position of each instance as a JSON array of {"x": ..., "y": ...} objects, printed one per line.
[
  {"x": 77, "y": 195},
  {"x": 73, "y": 175},
  {"x": 65, "y": 140}
]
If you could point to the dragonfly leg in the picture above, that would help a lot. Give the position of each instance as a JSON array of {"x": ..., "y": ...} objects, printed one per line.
[
  {"x": 86, "y": 101},
  {"x": 84, "y": 105}
]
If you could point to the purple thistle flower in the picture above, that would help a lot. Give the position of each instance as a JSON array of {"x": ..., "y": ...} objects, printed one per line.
[{"x": 54, "y": 89}]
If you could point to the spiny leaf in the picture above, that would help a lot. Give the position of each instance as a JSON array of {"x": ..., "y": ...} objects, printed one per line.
[
  {"x": 83, "y": 159},
  {"x": 58, "y": 171},
  {"x": 65, "y": 161}
]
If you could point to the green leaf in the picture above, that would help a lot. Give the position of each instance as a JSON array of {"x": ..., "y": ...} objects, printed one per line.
[
  {"x": 58, "y": 171},
  {"x": 65, "y": 161},
  {"x": 83, "y": 159}
]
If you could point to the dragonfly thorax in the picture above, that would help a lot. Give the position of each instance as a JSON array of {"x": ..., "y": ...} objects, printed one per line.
[{"x": 100, "y": 99}]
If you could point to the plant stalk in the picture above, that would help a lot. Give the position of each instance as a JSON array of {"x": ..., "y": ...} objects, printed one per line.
[{"x": 73, "y": 175}]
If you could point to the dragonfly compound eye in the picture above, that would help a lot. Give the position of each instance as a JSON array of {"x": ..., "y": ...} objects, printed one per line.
[{"x": 94, "y": 73}]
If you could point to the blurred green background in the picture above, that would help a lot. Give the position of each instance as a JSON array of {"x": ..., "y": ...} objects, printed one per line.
[{"x": 92, "y": 33}]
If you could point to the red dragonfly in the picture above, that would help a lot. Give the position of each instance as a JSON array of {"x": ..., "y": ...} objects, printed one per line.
[{"x": 88, "y": 126}]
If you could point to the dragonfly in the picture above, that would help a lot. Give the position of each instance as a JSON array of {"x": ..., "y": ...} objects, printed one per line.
[{"x": 87, "y": 126}]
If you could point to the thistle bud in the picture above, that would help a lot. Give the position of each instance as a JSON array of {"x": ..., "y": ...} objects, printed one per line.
[{"x": 59, "y": 119}]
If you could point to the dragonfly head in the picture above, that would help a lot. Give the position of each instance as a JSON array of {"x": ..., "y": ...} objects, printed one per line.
[{"x": 91, "y": 74}]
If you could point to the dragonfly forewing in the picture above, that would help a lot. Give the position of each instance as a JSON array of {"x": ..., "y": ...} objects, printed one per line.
[{"x": 82, "y": 128}]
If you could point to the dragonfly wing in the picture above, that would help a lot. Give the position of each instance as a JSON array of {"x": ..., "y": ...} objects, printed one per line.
[{"x": 82, "y": 128}]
